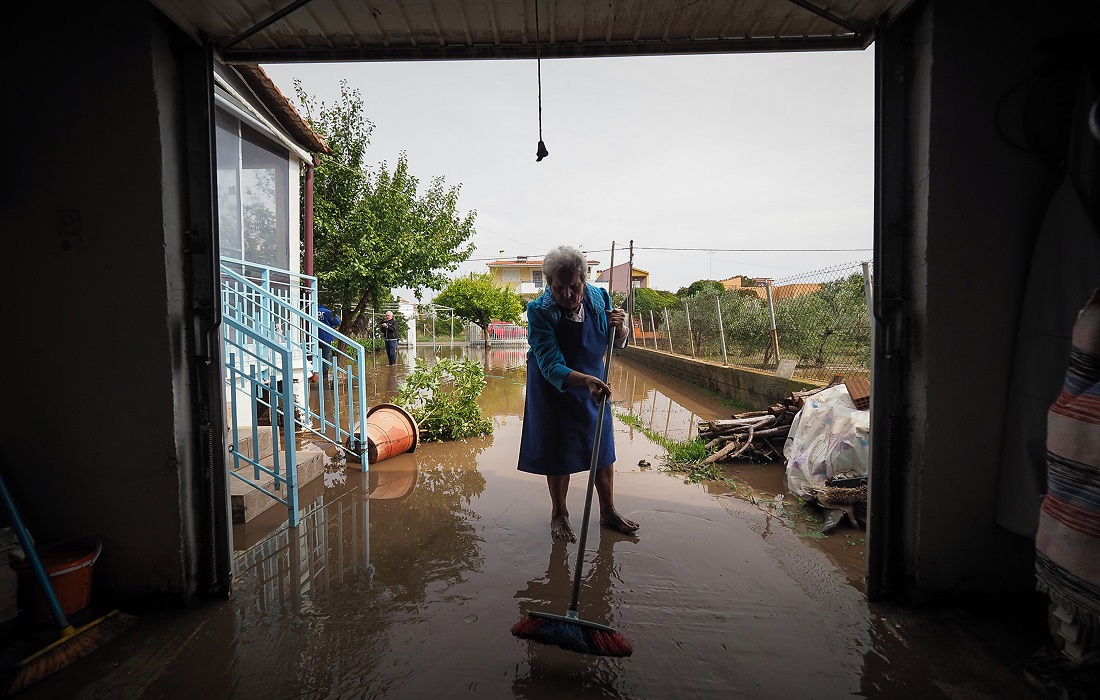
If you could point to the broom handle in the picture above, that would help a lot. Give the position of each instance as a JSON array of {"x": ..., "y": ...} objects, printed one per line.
[
  {"x": 592, "y": 472},
  {"x": 32, "y": 556}
]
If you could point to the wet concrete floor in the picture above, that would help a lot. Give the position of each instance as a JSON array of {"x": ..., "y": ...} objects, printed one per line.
[{"x": 404, "y": 582}]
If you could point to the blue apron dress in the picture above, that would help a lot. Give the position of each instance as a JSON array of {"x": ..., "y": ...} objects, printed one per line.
[{"x": 559, "y": 427}]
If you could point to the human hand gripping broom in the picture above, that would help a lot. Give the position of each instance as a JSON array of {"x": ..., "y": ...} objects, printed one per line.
[{"x": 569, "y": 631}]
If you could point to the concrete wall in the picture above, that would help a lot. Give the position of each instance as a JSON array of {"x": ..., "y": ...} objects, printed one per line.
[
  {"x": 97, "y": 409},
  {"x": 749, "y": 388},
  {"x": 976, "y": 202}
]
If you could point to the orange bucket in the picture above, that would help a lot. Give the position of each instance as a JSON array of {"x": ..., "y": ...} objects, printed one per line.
[
  {"x": 69, "y": 566},
  {"x": 391, "y": 431}
]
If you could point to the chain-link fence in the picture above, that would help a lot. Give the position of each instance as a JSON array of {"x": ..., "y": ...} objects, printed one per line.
[{"x": 818, "y": 319}]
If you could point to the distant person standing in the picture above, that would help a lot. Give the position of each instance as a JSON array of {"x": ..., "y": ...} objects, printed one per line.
[
  {"x": 388, "y": 326},
  {"x": 327, "y": 319}
]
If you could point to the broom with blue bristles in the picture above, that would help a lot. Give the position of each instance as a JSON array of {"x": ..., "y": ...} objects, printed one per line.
[{"x": 568, "y": 631}]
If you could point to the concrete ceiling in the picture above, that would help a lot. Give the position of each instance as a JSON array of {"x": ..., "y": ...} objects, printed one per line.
[{"x": 272, "y": 31}]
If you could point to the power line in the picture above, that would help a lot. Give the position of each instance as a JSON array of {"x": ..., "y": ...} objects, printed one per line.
[
  {"x": 713, "y": 250},
  {"x": 760, "y": 250}
]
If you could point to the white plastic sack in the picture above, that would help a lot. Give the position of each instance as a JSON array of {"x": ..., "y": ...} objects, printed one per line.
[{"x": 829, "y": 436}]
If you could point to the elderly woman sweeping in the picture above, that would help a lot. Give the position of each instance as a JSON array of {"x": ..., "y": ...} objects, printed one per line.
[{"x": 568, "y": 329}]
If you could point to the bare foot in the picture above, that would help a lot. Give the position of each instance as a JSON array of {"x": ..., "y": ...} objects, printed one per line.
[
  {"x": 560, "y": 530},
  {"x": 617, "y": 522}
]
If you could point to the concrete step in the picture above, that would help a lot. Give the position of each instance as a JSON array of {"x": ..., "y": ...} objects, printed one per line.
[
  {"x": 245, "y": 446},
  {"x": 248, "y": 501}
]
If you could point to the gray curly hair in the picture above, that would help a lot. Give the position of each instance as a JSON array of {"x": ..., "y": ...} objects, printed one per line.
[{"x": 565, "y": 259}]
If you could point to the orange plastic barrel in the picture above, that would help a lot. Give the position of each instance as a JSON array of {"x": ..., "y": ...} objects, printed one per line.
[{"x": 391, "y": 431}]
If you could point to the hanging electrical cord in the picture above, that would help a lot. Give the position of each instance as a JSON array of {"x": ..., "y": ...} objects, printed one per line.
[{"x": 541, "y": 152}]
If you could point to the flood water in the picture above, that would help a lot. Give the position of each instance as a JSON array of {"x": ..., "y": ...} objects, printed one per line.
[{"x": 404, "y": 583}]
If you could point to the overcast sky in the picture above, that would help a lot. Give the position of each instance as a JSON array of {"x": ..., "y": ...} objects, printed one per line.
[{"x": 713, "y": 153}]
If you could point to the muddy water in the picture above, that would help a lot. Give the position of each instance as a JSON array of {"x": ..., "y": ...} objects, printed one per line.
[{"x": 404, "y": 582}]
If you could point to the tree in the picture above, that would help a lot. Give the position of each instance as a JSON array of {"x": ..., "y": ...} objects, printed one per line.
[
  {"x": 711, "y": 287},
  {"x": 646, "y": 299},
  {"x": 829, "y": 321},
  {"x": 374, "y": 230},
  {"x": 478, "y": 300}
]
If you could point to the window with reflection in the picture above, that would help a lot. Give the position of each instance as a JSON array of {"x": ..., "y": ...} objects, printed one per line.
[{"x": 253, "y": 194}]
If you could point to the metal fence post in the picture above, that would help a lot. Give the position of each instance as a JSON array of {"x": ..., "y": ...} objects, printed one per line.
[
  {"x": 771, "y": 320},
  {"x": 668, "y": 329},
  {"x": 653, "y": 326},
  {"x": 691, "y": 339},
  {"x": 721, "y": 329},
  {"x": 870, "y": 310}
]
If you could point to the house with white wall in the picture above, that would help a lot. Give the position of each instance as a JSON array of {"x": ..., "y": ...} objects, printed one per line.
[{"x": 523, "y": 275}]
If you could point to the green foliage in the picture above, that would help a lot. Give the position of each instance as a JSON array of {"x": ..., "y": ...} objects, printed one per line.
[
  {"x": 686, "y": 451},
  {"x": 375, "y": 230},
  {"x": 478, "y": 300},
  {"x": 443, "y": 399},
  {"x": 710, "y": 287},
  {"x": 618, "y": 300},
  {"x": 819, "y": 325},
  {"x": 827, "y": 322},
  {"x": 646, "y": 300},
  {"x": 744, "y": 318}
]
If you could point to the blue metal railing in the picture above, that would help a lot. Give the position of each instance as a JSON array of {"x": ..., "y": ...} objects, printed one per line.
[
  {"x": 249, "y": 356},
  {"x": 259, "y": 300},
  {"x": 276, "y": 335}
]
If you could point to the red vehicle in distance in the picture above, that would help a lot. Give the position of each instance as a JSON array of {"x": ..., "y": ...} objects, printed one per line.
[{"x": 499, "y": 330}]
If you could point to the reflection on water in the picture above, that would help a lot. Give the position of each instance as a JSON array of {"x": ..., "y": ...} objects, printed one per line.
[
  {"x": 497, "y": 357},
  {"x": 331, "y": 545},
  {"x": 393, "y": 479},
  {"x": 421, "y": 525},
  {"x": 599, "y": 602},
  {"x": 501, "y": 357},
  {"x": 662, "y": 407}
]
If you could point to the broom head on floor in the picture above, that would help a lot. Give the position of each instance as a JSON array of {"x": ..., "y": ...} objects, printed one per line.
[
  {"x": 572, "y": 633},
  {"x": 73, "y": 644}
]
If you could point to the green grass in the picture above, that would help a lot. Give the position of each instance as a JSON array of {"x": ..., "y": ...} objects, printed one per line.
[
  {"x": 682, "y": 456},
  {"x": 679, "y": 451}
]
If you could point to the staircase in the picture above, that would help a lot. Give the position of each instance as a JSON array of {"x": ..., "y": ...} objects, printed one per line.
[{"x": 285, "y": 387}]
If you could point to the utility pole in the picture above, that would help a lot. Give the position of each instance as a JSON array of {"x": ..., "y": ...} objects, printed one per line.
[
  {"x": 611, "y": 275},
  {"x": 630, "y": 283}
]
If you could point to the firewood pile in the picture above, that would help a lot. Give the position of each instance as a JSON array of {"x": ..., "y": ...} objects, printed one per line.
[{"x": 755, "y": 435}]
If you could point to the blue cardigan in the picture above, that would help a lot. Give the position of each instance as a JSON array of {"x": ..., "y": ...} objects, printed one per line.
[{"x": 543, "y": 315}]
